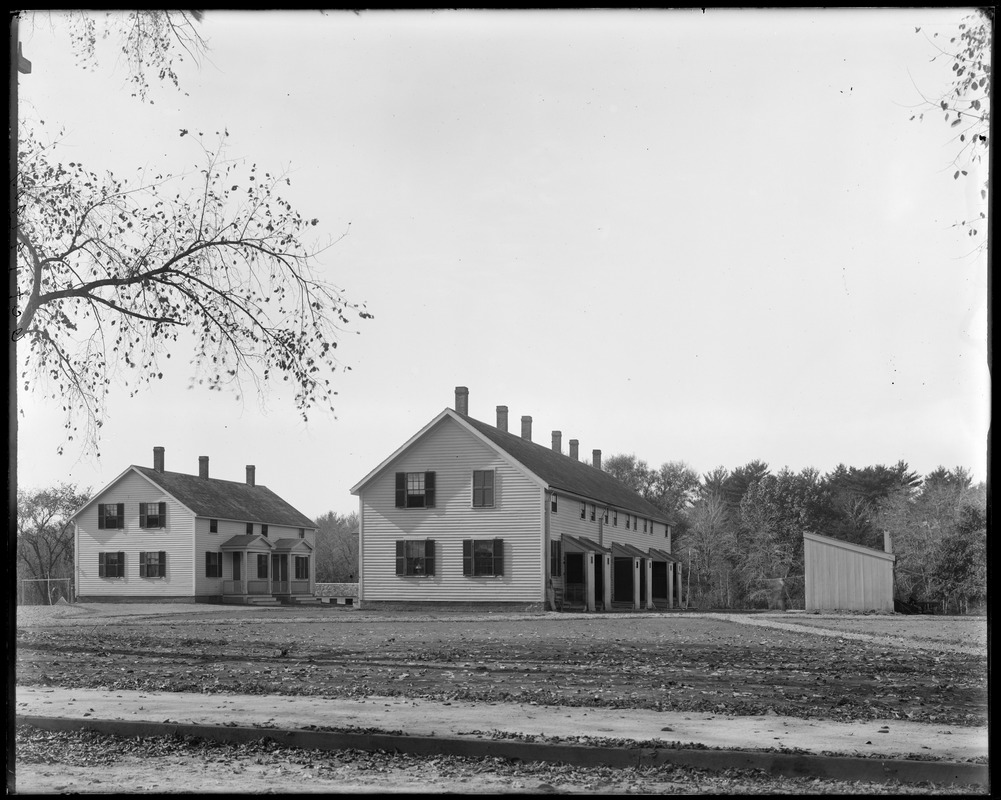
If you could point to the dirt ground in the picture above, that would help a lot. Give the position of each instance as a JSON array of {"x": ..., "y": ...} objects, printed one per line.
[
  {"x": 827, "y": 667},
  {"x": 924, "y": 669}
]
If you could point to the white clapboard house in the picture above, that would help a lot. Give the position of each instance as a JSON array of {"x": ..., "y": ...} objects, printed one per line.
[
  {"x": 154, "y": 535},
  {"x": 466, "y": 513}
]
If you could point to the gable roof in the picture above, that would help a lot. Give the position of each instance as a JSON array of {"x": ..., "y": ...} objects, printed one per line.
[
  {"x": 563, "y": 473},
  {"x": 219, "y": 499},
  {"x": 557, "y": 471}
]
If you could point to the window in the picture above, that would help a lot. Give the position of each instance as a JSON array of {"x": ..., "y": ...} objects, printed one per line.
[
  {"x": 482, "y": 557},
  {"x": 483, "y": 488},
  {"x": 606, "y": 515},
  {"x": 302, "y": 568},
  {"x": 627, "y": 522},
  {"x": 415, "y": 489},
  {"x": 264, "y": 530},
  {"x": 152, "y": 515},
  {"x": 583, "y": 509},
  {"x": 213, "y": 565},
  {"x": 213, "y": 526},
  {"x": 250, "y": 528},
  {"x": 415, "y": 557},
  {"x": 153, "y": 565},
  {"x": 111, "y": 565},
  {"x": 593, "y": 512},
  {"x": 556, "y": 558},
  {"x": 644, "y": 526},
  {"x": 302, "y": 533},
  {"x": 262, "y": 565},
  {"x": 552, "y": 503},
  {"x": 110, "y": 515},
  {"x": 615, "y": 518}
]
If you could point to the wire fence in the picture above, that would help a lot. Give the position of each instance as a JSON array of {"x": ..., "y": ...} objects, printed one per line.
[{"x": 44, "y": 591}]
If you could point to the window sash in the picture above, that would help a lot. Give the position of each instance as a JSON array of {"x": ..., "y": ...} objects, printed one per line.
[
  {"x": 110, "y": 516},
  {"x": 111, "y": 564},
  {"x": 302, "y": 568},
  {"x": 213, "y": 564}
]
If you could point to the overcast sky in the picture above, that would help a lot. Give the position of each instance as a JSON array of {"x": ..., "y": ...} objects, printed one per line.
[{"x": 701, "y": 237}]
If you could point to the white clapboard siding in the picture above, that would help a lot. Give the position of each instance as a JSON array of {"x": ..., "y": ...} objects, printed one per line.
[
  {"x": 175, "y": 539},
  {"x": 567, "y": 520},
  {"x": 841, "y": 576},
  {"x": 452, "y": 453}
]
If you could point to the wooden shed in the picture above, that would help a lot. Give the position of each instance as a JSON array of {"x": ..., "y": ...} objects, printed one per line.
[{"x": 841, "y": 576}]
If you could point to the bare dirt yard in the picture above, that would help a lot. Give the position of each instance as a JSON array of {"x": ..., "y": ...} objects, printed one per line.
[{"x": 851, "y": 667}]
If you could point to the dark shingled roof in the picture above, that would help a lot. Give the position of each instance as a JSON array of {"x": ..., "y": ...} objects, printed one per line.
[
  {"x": 218, "y": 499},
  {"x": 567, "y": 474}
]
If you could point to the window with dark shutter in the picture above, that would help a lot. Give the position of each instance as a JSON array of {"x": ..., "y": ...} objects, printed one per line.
[
  {"x": 483, "y": 488},
  {"x": 415, "y": 489},
  {"x": 110, "y": 516},
  {"x": 415, "y": 558},
  {"x": 152, "y": 515},
  {"x": 111, "y": 565},
  {"x": 483, "y": 557}
]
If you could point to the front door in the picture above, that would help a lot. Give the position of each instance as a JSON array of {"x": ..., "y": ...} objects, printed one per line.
[{"x": 279, "y": 573}]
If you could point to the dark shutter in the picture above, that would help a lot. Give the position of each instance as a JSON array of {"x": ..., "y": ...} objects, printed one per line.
[
  {"x": 142, "y": 565},
  {"x": 121, "y": 556},
  {"x": 121, "y": 516},
  {"x": 429, "y": 490},
  {"x": 467, "y": 556},
  {"x": 163, "y": 515},
  {"x": 498, "y": 556},
  {"x": 488, "y": 489},
  {"x": 163, "y": 564},
  {"x": 401, "y": 552},
  {"x": 209, "y": 571},
  {"x": 101, "y": 568},
  {"x": 401, "y": 490},
  {"x": 429, "y": 557},
  {"x": 142, "y": 515},
  {"x": 100, "y": 518}
]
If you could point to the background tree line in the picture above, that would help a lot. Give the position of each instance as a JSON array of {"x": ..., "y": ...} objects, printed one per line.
[{"x": 739, "y": 532}]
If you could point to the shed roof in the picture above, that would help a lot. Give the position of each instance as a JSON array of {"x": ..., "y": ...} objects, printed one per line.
[
  {"x": 219, "y": 499},
  {"x": 621, "y": 548},
  {"x": 583, "y": 543}
]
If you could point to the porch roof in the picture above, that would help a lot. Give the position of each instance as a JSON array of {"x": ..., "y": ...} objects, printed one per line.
[
  {"x": 583, "y": 543},
  {"x": 284, "y": 545},
  {"x": 628, "y": 550},
  {"x": 663, "y": 555},
  {"x": 243, "y": 541}
]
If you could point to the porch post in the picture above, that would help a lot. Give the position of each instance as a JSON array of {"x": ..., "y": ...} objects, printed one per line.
[
  {"x": 589, "y": 580},
  {"x": 606, "y": 586},
  {"x": 649, "y": 583},
  {"x": 670, "y": 584},
  {"x": 636, "y": 584}
]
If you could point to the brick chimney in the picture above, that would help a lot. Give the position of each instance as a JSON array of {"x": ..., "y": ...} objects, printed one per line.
[
  {"x": 596, "y": 458},
  {"x": 158, "y": 459},
  {"x": 502, "y": 418},
  {"x": 557, "y": 441},
  {"x": 203, "y": 466},
  {"x": 526, "y": 428},
  {"x": 462, "y": 400},
  {"x": 573, "y": 448},
  {"x": 251, "y": 477}
]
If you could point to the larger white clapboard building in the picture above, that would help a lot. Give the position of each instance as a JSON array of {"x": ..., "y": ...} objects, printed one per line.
[{"x": 468, "y": 513}]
